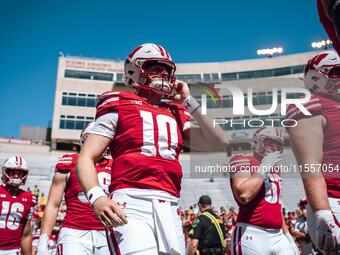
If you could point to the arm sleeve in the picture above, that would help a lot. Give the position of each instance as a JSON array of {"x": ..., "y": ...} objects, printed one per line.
[{"x": 106, "y": 125}]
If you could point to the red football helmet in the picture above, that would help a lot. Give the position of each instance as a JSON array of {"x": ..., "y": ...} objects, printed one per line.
[
  {"x": 15, "y": 163},
  {"x": 267, "y": 138},
  {"x": 143, "y": 56},
  {"x": 322, "y": 73}
]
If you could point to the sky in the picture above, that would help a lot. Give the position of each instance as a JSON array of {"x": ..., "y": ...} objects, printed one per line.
[{"x": 32, "y": 33}]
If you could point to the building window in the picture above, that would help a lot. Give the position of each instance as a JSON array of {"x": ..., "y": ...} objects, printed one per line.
[
  {"x": 80, "y": 99},
  {"x": 74, "y": 122},
  {"x": 88, "y": 75}
]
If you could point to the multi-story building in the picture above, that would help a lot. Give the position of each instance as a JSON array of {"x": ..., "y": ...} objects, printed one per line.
[{"x": 80, "y": 81}]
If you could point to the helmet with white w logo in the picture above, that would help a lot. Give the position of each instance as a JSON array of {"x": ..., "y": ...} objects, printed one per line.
[
  {"x": 145, "y": 56},
  {"x": 85, "y": 133},
  {"x": 322, "y": 73},
  {"x": 14, "y": 163},
  {"x": 267, "y": 139}
]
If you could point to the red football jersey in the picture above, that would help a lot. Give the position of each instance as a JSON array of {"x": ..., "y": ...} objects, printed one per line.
[
  {"x": 330, "y": 109},
  {"x": 52, "y": 242},
  {"x": 328, "y": 26},
  {"x": 147, "y": 143},
  {"x": 15, "y": 211},
  {"x": 79, "y": 213},
  {"x": 264, "y": 210}
]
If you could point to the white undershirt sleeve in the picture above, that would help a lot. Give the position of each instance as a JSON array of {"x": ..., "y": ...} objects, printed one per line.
[{"x": 106, "y": 125}]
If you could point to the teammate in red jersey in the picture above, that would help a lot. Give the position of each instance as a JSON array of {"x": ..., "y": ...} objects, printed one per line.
[
  {"x": 145, "y": 137},
  {"x": 315, "y": 141},
  {"x": 329, "y": 14},
  {"x": 256, "y": 186},
  {"x": 16, "y": 208},
  {"x": 52, "y": 245},
  {"x": 81, "y": 231}
]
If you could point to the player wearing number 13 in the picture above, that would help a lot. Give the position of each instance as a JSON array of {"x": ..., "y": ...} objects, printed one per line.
[
  {"x": 256, "y": 186},
  {"x": 145, "y": 136},
  {"x": 81, "y": 232},
  {"x": 16, "y": 208}
]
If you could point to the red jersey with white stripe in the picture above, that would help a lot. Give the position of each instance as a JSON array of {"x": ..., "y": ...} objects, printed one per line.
[
  {"x": 328, "y": 26},
  {"x": 330, "y": 109},
  {"x": 147, "y": 143},
  {"x": 264, "y": 210},
  {"x": 14, "y": 213},
  {"x": 52, "y": 242},
  {"x": 79, "y": 213}
]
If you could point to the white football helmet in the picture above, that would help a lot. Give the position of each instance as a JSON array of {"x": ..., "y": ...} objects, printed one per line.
[
  {"x": 322, "y": 73},
  {"x": 267, "y": 137},
  {"x": 146, "y": 55},
  {"x": 17, "y": 163},
  {"x": 85, "y": 133}
]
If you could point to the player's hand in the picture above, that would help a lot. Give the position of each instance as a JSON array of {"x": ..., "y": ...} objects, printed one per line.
[
  {"x": 182, "y": 92},
  {"x": 268, "y": 163},
  {"x": 109, "y": 213},
  {"x": 327, "y": 232},
  {"x": 42, "y": 247}
]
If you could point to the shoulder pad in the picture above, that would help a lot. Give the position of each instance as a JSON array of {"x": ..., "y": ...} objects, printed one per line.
[
  {"x": 67, "y": 162},
  {"x": 314, "y": 106},
  {"x": 112, "y": 100}
]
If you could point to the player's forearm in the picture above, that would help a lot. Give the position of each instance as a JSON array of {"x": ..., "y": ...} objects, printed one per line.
[
  {"x": 316, "y": 192},
  {"x": 245, "y": 194},
  {"x": 26, "y": 244},
  {"x": 49, "y": 219},
  {"x": 86, "y": 172},
  {"x": 210, "y": 136}
]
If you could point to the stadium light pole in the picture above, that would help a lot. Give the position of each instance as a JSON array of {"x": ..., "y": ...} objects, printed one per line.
[
  {"x": 322, "y": 44},
  {"x": 270, "y": 51}
]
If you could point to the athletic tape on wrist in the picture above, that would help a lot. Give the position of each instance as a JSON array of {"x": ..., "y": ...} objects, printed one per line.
[
  {"x": 190, "y": 104},
  {"x": 323, "y": 216},
  {"x": 95, "y": 193}
]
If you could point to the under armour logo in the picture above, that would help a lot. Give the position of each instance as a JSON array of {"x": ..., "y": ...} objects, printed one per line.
[
  {"x": 161, "y": 201},
  {"x": 123, "y": 205},
  {"x": 332, "y": 226},
  {"x": 187, "y": 106}
]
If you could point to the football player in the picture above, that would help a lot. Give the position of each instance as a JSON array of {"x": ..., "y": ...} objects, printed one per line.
[
  {"x": 256, "y": 186},
  {"x": 315, "y": 141},
  {"x": 81, "y": 231},
  {"x": 52, "y": 246},
  {"x": 145, "y": 136},
  {"x": 16, "y": 208}
]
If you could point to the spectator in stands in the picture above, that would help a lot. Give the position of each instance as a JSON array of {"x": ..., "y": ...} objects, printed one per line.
[
  {"x": 29, "y": 190},
  {"x": 186, "y": 229},
  {"x": 36, "y": 192},
  {"x": 191, "y": 211},
  {"x": 196, "y": 209},
  {"x": 42, "y": 201},
  {"x": 301, "y": 230}
]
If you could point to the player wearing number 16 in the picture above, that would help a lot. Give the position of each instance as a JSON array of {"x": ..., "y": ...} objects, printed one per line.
[
  {"x": 145, "y": 136},
  {"x": 256, "y": 186},
  {"x": 16, "y": 209},
  {"x": 81, "y": 232}
]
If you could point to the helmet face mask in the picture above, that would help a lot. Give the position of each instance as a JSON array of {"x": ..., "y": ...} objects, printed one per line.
[
  {"x": 266, "y": 140},
  {"x": 137, "y": 65},
  {"x": 10, "y": 170},
  {"x": 322, "y": 74}
]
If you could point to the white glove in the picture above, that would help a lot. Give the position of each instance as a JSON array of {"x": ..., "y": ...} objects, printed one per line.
[
  {"x": 292, "y": 242},
  {"x": 327, "y": 232},
  {"x": 268, "y": 163},
  {"x": 42, "y": 248}
]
